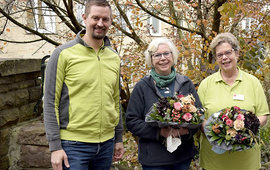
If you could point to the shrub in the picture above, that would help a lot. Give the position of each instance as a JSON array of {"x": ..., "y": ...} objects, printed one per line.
[{"x": 265, "y": 147}]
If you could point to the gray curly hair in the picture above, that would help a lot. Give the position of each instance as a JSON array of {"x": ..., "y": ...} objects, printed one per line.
[
  {"x": 153, "y": 46},
  {"x": 224, "y": 38}
]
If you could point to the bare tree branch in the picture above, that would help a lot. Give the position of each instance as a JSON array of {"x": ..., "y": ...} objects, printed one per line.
[
  {"x": 133, "y": 34},
  {"x": 39, "y": 48},
  {"x": 69, "y": 7},
  {"x": 200, "y": 17},
  {"x": 173, "y": 14},
  {"x": 164, "y": 20},
  {"x": 44, "y": 37},
  {"x": 217, "y": 16},
  {"x": 63, "y": 19},
  {"x": 6, "y": 21},
  {"x": 20, "y": 42}
]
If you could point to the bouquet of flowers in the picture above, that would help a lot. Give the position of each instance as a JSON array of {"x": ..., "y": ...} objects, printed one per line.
[
  {"x": 232, "y": 129},
  {"x": 177, "y": 111}
]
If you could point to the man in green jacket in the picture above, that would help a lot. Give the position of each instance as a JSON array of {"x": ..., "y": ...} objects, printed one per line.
[{"x": 81, "y": 99}]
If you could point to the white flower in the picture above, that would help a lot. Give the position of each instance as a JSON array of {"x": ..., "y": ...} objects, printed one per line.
[{"x": 238, "y": 124}]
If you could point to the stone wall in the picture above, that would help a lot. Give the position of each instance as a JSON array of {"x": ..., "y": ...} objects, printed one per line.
[{"x": 23, "y": 144}]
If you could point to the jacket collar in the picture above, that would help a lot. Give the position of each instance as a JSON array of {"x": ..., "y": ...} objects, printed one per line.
[{"x": 106, "y": 41}]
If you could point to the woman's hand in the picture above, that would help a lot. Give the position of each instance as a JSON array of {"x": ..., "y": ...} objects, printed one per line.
[
  {"x": 165, "y": 132},
  {"x": 203, "y": 125},
  {"x": 179, "y": 132},
  {"x": 168, "y": 131},
  {"x": 263, "y": 119}
]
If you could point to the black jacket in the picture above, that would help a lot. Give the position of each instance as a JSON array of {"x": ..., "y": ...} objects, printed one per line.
[{"x": 152, "y": 151}]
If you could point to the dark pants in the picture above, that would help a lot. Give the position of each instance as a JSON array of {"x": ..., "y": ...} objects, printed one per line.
[
  {"x": 92, "y": 156},
  {"x": 180, "y": 166}
]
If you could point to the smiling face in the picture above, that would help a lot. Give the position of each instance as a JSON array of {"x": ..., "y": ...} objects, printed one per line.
[
  {"x": 97, "y": 22},
  {"x": 226, "y": 57},
  {"x": 162, "y": 60}
]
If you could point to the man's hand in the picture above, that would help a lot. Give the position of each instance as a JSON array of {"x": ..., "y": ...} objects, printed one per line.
[
  {"x": 118, "y": 151},
  {"x": 57, "y": 158}
]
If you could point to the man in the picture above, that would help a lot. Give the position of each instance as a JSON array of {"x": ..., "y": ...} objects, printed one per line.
[{"x": 81, "y": 100}]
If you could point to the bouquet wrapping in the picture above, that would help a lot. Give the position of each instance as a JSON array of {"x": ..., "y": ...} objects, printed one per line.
[
  {"x": 177, "y": 111},
  {"x": 232, "y": 129}
]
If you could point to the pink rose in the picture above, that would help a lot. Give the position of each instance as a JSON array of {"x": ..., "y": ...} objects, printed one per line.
[
  {"x": 236, "y": 108},
  {"x": 240, "y": 117},
  {"x": 187, "y": 117},
  {"x": 229, "y": 122},
  {"x": 177, "y": 106}
]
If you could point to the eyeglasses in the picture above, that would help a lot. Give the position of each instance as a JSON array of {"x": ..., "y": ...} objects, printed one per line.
[
  {"x": 226, "y": 53},
  {"x": 159, "y": 55}
]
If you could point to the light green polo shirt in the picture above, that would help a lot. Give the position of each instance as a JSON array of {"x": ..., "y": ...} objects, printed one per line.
[{"x": 246, "y": 93}]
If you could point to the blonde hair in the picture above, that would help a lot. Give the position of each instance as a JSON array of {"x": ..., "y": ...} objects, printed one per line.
[
  {"x": 224, "y": 38},
  {"x": 153, "y": 46}
]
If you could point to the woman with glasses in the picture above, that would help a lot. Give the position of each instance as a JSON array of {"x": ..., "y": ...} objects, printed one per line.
[
  {"x": 230, "y": 86},
  {"x": 163, "y": 81}
]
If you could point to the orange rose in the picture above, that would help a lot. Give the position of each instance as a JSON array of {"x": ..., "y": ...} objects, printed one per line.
[{"x": 215, "y": 128}]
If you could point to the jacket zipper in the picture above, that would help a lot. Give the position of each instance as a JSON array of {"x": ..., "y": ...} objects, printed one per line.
[{"x": 100, "y": 77}]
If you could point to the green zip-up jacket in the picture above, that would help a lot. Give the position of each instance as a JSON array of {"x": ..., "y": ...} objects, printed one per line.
[{"x": 81, "y": 96}]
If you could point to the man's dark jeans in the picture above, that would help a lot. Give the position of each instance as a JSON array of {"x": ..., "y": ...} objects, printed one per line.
[{"x": 92, "y": 156}]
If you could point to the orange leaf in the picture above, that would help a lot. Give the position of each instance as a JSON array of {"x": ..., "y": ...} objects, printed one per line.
[
  {"x": 157, "y": 6},
  {"x": 199, "y": 22},
  {"x": 186, "y": 53},
  {"x": 8, "y": 30},
  {"x": 194, "y": 5}
]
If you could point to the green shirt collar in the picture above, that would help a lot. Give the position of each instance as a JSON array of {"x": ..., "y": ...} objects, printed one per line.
[{"x": 239, "y": 77}]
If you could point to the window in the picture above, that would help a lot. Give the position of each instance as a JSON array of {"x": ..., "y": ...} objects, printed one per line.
[
  {"x": 154, "y": 26},
  {"x": 42, "y": 19},
  {"x": 245, "y": 24},
  {"x": 175, "y": 29},
  {"x": 79, "y": 13},
  {"x": 120, "y": 20}
]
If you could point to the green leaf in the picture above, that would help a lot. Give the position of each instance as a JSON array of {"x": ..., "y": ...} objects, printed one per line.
[
  {"x": 212, "y": 139},
  {"x": 215, "y": 137},
  {"x": 227, "y": 142},
  {"x": 220, "y": 141}
]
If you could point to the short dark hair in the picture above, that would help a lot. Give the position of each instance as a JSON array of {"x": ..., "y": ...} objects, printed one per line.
[
  {"x": 90, "y": 3},
  {"x": 225, "y": 37}
]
